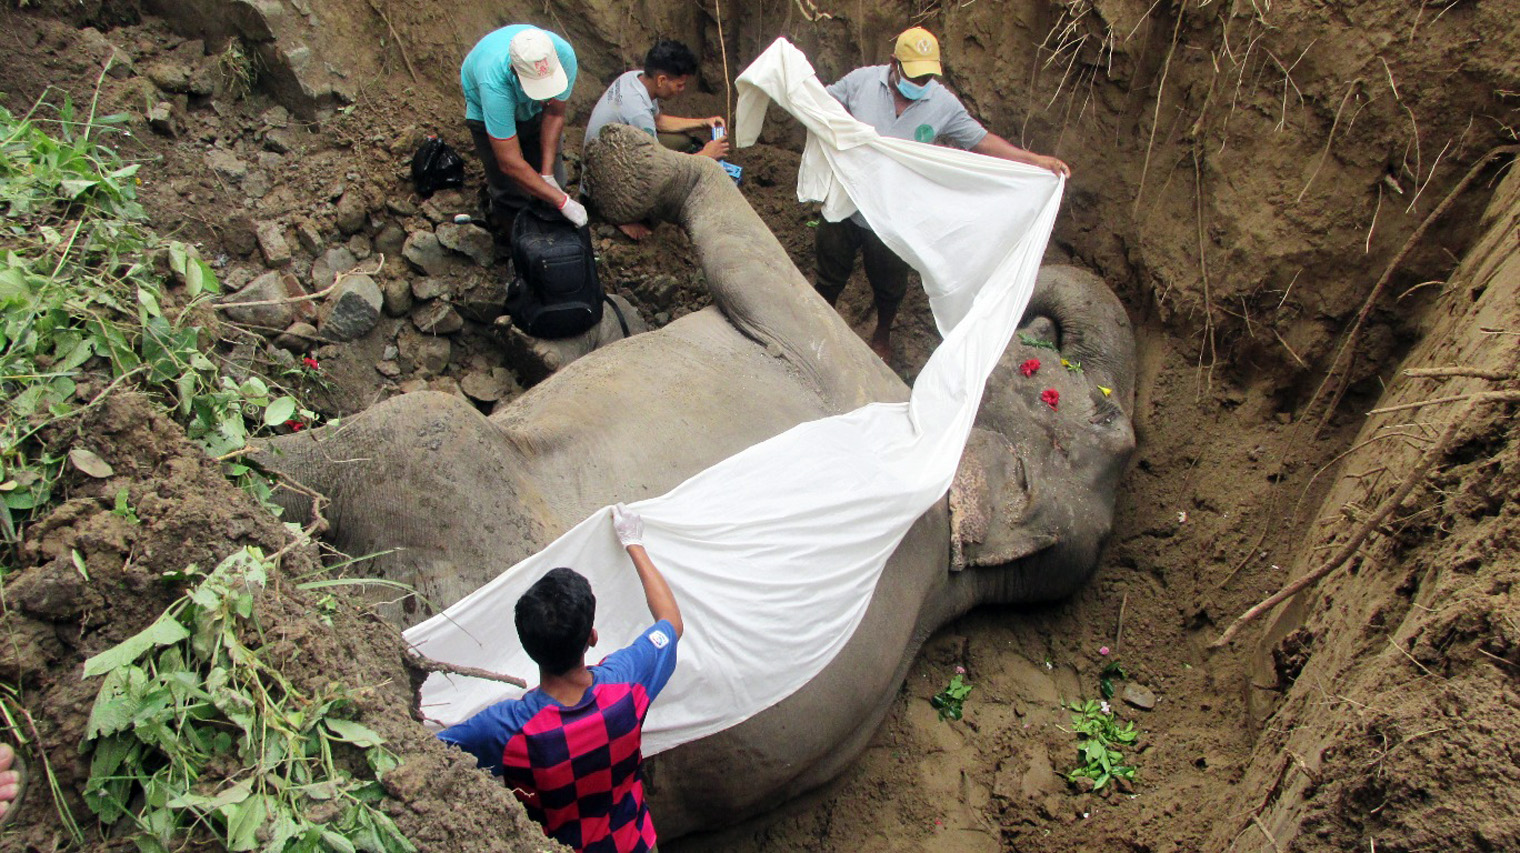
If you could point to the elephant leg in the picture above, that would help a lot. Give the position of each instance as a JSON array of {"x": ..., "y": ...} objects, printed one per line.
[{"x": 422, "y": 480}]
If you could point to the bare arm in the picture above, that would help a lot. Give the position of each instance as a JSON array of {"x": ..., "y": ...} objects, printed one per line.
[
  {"x": 996, "y": 146},
  {"x": 509, "y": 159},
  {"x": 551, "y": 130},
  {"x": 677, "y": 124},
  {"x": 629, "y": 527},
  {"x": 662, "y": 602}
]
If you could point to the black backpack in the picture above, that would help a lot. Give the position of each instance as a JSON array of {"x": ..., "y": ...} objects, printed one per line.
[
  {"x": 555, "y": 292},
  {"x": 436, "y": 166}
]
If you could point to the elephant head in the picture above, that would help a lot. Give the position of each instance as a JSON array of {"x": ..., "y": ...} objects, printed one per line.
[{"x": 1035, "y": 491}]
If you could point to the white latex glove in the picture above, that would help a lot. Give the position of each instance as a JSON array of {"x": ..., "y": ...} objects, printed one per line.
[
  {"x": 573, "y": 211},
  {"x": 549, "y": 179},
  {"x": 629, "y": 526}
]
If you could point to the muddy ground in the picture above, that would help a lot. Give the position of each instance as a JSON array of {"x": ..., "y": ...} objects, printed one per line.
[{"x": 1247, "y": 176}]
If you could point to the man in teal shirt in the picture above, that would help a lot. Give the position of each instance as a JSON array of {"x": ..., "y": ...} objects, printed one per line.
[{"x": 516, "y": 83}]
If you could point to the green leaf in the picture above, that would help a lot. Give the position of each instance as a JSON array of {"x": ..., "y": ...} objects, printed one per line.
[
  {"x": 161, "y": 633},
  {"x": 149, "y": 302},
  {"x": 349, "y": 731},
  {"x": 280, "y": 411},
  {"x": 244, "y": 820},
  {"x": 334, "y": 841}
]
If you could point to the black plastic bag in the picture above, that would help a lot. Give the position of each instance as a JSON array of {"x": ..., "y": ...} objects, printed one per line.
[{"x": 436, "y": 166}]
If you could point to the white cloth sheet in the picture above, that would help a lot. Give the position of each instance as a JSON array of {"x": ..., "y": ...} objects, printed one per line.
[{"x": 774, "y": 553}]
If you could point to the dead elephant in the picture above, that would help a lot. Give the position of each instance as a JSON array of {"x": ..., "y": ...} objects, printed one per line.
[{"x": 462, "y": 496}]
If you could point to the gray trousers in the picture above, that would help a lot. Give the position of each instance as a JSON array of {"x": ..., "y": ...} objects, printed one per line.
[{"x": 505, "y": 196}]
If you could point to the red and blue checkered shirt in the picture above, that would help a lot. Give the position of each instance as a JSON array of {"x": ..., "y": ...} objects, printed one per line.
[{"x": 577, "y": 769}]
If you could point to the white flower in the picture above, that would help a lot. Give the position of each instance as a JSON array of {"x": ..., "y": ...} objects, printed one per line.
[{"x": 1106, "y": 709}]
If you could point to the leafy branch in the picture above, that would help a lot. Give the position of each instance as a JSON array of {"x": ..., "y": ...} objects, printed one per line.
[{"x": 191, "y": 728}]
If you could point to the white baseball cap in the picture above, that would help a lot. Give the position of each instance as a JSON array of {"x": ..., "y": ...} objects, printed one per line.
[{"x": 537, "y": 65}]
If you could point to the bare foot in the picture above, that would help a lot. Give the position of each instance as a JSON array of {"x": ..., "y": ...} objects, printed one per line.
[
  {"x": 636, "y": 231},
  {"x": 883, "y": 349},
  {"x": 11, "y": 782}
]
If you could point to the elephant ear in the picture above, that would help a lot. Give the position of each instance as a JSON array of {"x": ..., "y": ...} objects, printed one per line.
[{"x": 989, "y": 506}]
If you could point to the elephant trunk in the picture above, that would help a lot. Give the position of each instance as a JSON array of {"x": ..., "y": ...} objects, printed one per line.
[{"x": 751, "y": 277}]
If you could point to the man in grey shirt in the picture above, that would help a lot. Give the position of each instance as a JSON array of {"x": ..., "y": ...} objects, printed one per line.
[
  {"x": 901, "y": 100},
  {"x": 634, "y": 99}
]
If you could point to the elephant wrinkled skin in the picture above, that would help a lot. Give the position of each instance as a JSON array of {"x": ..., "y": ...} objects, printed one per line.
[{"x": 460, "y": 496}]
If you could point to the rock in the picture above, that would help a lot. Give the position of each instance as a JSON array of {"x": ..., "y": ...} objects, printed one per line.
[
  {"x": 280, "y": 141},
  {"x": 329, "y": 265},
  {"x": 256, "y": 185},
  {"x": 398, "y": 296},
  {"x": 427, "y": 255},
  {"x": 412, "y": 385},
  {"x": 272, "y": 244},
  {"x": 275, "y": 116},
  {"x": 470, "y": 240},
  {"x": 298, "y": 338},
  {"x": 170, "y": 76},
  {"x": 226, "y": 164},
  {"x": 661, "y": 290},
  {"x": 1140, "y": 697},
  {"x": 117, "y": 62},
  {"x": 444, "y": 205},
  {"x": 352, "y": 309},
  {"x": 429, "y": 288},
  {"x": 400, "y": 207},
  {"x": 240, "y": 236},
  {"x": 429, "y": 356},
  {"x": 391, "y": 352},
  {"x": 437, "y": 318},
  {"x": 446, "y": 385},
  {"x": 388, "y": 369},
  {"x": 309, "y": 236},
  {"x": 360, "y": 246},
  {"x": 161, "y": 119},
  {"x": 537, "y": 358},
  {"x": 390, "y": 240},
  {"x": 488, "y": 386},
  {"x": 483, "y": 297},
  {"x": 352, "y": 212},
  {"x": 268, "y": 287}
]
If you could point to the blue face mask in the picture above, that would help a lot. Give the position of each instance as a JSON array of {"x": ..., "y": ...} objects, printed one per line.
[{"x": 910, "y": 91}]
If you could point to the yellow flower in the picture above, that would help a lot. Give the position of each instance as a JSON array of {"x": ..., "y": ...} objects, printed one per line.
[{"x": 1106, "y": 391}]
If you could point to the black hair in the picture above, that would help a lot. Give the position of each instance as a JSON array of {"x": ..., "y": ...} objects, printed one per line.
[
  {"x": 670, "y": 58},
  {"x": 554, "y": 620}
]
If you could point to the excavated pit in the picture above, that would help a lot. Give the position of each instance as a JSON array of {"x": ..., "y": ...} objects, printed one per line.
[{"x": 1247, "y": 177}]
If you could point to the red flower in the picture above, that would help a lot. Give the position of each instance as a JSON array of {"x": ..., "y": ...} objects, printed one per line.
[
  {"x": 1050, "y": 397},
  {"x": 1029, "y": 367},
  {"x": 310, "y": 362},
  {"x": 295, "y": 425}
]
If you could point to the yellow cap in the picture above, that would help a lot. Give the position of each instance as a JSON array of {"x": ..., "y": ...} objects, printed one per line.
[{"x": 918, "y": 51}]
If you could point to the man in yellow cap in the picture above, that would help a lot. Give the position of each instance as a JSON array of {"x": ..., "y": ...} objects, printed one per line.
[{"x": 901, "y": 100}]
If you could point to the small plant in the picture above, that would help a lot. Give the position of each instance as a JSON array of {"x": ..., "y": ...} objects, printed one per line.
[
  {"x": 123, "y": 508},
  {"x": 237, "y": 70},
  {"x": 1099, "y": 757},
  {"x": 91, "y": 301},
  {"x": 1071, "y": 366},
  {"x": 187, "y": 699},
  {"x": 948, "y": 701},
  {"x": 1106, "y": 678}
]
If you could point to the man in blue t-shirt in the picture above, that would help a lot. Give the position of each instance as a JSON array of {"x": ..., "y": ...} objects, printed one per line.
[
  {"x": 516, "y": 83},
  {"x": 901, "y": 100},
  {"x": 570, "y": 748}
]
